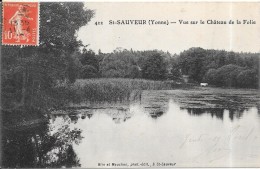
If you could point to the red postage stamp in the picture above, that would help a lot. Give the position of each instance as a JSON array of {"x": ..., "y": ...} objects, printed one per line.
[{"x": 20, "y": 23}]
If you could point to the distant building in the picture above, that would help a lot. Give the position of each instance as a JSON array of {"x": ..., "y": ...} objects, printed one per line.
[{"x": 204, "y": 84}]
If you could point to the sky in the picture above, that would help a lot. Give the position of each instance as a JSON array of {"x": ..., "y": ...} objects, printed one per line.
[{"x": 173, "y": 37}]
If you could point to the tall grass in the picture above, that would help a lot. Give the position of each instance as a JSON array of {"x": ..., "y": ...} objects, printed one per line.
[{"x": 115, "y": 89}]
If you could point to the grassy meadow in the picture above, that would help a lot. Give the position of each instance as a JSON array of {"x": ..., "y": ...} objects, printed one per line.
[{"x": 115, "y": 89}]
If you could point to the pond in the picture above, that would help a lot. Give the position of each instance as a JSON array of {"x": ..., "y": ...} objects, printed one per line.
[{"x": 164, "y": 129}]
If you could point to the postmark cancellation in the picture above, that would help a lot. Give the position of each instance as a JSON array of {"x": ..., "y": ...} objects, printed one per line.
[{"x": 20, "y": 23}]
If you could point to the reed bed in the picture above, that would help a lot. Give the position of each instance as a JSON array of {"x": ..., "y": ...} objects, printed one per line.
[{"x": 115, "y": 89}]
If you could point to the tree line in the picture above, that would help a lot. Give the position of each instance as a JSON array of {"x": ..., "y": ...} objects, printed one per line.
[{"x": 216, "y": 67}]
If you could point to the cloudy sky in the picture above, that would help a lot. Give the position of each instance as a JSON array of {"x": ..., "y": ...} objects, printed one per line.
[{"x": 174, "y": 37}]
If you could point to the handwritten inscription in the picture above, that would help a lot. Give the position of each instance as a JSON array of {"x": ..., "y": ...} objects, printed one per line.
[{"x": 216, "y": 147}]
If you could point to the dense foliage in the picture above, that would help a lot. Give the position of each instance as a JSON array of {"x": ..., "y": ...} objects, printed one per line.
[
  {"x": 30, "y": 78},
  {"x": 221, "y": 68},
  {"x": 30, "y": 74},
  {"x": 122, "y": 63},
  {"x": 232, "y": 75},
  {"x": 216, "y": 67}
]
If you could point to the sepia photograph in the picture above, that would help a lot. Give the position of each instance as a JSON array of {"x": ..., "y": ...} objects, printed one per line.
[{"x": 129, "y": 84}]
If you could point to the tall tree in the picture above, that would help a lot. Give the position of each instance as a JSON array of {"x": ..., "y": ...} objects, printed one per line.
[
  {"x": 30, "y": 74},
  {"x": 191, "y": 63},
  {"x": 175, "y": 72},
  {"x": 154, "y": 67},
  {"x": 90, "y": 64}
]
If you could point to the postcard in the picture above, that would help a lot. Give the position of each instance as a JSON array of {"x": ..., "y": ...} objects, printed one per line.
[{"x": 130, "y": 84}]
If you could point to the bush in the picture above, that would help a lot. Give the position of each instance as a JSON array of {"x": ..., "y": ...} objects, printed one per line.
[
  {"x": 89, "y": 71},
  {"x": 248, "y": 79},
  {"x": 232, "y": 76}
]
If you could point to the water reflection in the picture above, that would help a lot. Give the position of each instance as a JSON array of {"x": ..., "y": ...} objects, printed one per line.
[
  {"x": 210, "y": 139},
  {"x": 188, "y": 137},
  {"x": 45, "y": 146},
  {"x": 217, "y": 112}
]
